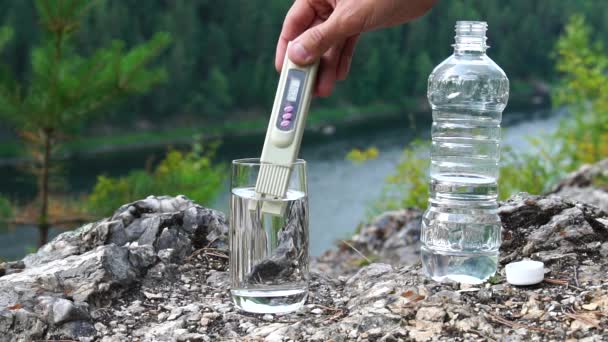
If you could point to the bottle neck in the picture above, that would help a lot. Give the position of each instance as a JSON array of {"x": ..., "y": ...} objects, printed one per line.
[{"x": 470, "y": 38}]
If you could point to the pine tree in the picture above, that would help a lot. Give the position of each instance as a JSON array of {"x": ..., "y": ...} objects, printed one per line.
[{"x": 65, "y": 89}]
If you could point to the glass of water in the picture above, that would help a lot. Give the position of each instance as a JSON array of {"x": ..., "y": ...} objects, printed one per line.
[{"x": 268, "y": 252}]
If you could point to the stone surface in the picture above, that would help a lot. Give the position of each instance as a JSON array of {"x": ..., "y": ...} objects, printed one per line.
[
  {"x": 392, "y": 237},
  {"x": 589, "y": 184},
  {"x": 52, "y": 293},
  {"x": 128, "y": 278}
]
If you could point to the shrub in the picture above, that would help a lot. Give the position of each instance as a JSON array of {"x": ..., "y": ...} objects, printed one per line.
[
  {"x": 6, "y": 209},
  {"x": 408, "y": 186},
  {"x": 189, "y": 173}
]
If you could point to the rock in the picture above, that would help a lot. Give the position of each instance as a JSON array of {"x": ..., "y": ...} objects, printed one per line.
[
  {"x": 160, "y": 332},
  {"x": 27, "y": 326},
  {"x": 549, "y": 228},
  {"x": 431, "y": 313},
  {"x": 7, "y": 319},
  {"x": 65, "y": 311},
  {"x": 371, "y": 271},
  {"x": 81, "y": 329},
  {"x": 392, "y": 237},
  {"x": 191, "y": 337},
  {"x": 53, "y": 290},
  {"x": 284, "y": 264},
  {"x": 582, "y": 186},
  {"x": 128, "y": 278},
  {"x": 83, "y": 277}
]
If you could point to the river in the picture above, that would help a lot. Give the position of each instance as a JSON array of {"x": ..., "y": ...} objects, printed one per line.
[{"x": 340, "y": 191}]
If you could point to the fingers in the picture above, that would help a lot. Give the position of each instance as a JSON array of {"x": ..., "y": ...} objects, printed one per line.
[
  {"x": 347, "y": 57},
  {"x": 299, "y": 18},
  {"x": 328, "y": 70},
  {"x": 318, "y": 39}
]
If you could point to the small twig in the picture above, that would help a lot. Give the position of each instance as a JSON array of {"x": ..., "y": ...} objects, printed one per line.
[
  {"x": 576, "y": 275},
  {"x": 562, "y": 282},
  {"x": 356, "y": 250},
  {"x": 224, "y": 256},
  {"x": 210, "y": 242},
  {"x": 206, "y": 251},
  {"x": 195, "y": 254},
  {"x": 337, "y": 315},
  {"x": 556, "y": 281},
  {"x": 516, "y": 325},
  {"x": 213, "y": 249}
]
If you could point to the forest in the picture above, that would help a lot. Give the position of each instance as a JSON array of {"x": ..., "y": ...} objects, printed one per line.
[{"x": 220, "y": 60}]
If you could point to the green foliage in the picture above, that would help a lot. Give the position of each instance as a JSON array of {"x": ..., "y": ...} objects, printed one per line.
[
  {"x": 215, "y": 96},
  {"x": 64, "y": 88},
  {"x": 6, "y": 209},
  {"x": 408, "y": 186},
  {"x": 6, "y": 33},
  {"x": 187, "y": 173},
  {"x": 584, "y": 66},
  {"x": 582, "y": 137},
  {"x": 524, "y": 172},
  {"x": 67, "y": 88},
  {"x": 359, "y": 156}
]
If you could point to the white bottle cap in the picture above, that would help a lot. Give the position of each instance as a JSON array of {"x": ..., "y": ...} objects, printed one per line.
[{"x": 526, "y": 272}]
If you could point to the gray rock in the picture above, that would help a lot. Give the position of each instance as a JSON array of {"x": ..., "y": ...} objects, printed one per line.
[
  {"x": 6, "y": 322},
  {"x": 588, "y": 195},
  {"x": 81, "y": 276},
  {"x": 549, "y": 228},
  {"x": 52, "y": 290},
  {"x": 371, "y": 271},
  {"x": 160, "y": 332},
  {"x": 64, "y": 311},
  {"x": 393, "y": 238},
  {"x": 127, "y": 278},
  {"x": 27, "y": 326},
  {"x": 80, "y": 329},
  {"x": 141, "y": 257},
  {"x": 581, "y": 185},
  {"x": 175, "y": 240},
  {"x": 291, "y": 252},
  {"x": 431, "y": 313}
]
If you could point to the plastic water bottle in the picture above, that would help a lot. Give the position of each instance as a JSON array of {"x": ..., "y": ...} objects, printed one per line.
[{"x": 461, "y": 230}]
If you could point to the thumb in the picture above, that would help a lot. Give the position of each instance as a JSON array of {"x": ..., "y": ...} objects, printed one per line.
[{"x": 315, "y": 41}]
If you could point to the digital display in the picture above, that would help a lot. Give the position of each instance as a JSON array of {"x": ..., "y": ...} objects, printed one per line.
[{"x": 292, "y": 90}]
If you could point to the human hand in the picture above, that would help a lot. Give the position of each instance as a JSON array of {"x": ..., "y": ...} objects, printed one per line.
[{"x": 329, "y": 29}]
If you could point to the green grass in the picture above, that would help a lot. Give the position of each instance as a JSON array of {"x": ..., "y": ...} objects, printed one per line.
[{"x": 256, "y": 125}]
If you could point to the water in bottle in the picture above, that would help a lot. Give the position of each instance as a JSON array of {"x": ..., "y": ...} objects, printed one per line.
[{"x": 461, "y": 230}]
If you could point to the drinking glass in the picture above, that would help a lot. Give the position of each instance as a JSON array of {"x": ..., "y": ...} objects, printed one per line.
[{"x": 268, "y": 252}]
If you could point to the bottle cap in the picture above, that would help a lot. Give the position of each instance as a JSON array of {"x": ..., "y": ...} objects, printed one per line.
[{"x": 526, "y": 272}]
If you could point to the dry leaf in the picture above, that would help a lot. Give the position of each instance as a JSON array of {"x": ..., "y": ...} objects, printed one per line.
[
  {"x": 15, "y": 307},
  {"x": 590, "y": 306},
  {"x": 418, "y": 298},
  {"x": 407, "y": 293},
  {"x": 602, "y": 303},
  {"x": 583, "y": 321}
]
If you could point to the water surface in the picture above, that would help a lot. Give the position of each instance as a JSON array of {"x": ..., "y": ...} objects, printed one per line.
[{"x": 339, "y": 191}]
